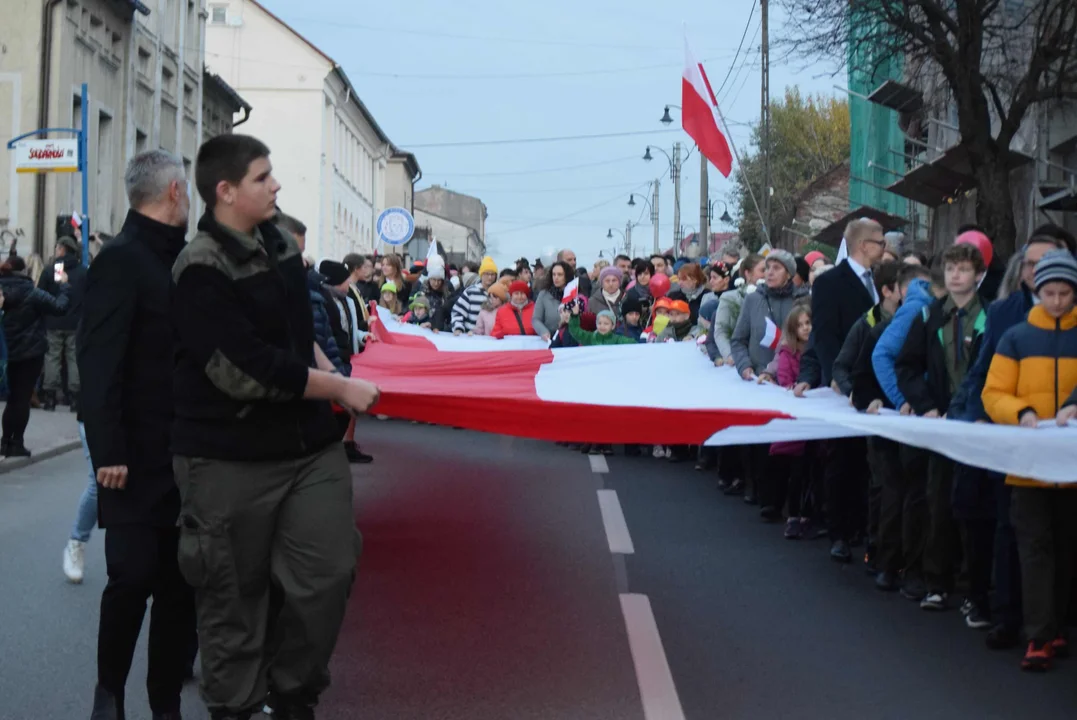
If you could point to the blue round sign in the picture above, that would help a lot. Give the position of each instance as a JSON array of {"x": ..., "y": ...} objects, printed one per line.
[{"x": 395, "y": 226}]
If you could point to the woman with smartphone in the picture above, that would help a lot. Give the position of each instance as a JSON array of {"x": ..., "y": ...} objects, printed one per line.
[{"x": 25, "y": 309}]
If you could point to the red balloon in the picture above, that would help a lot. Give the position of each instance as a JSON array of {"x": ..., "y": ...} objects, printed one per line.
[
  {"x": 978, "y": 240},
  {"x": 659, "y": 285}
]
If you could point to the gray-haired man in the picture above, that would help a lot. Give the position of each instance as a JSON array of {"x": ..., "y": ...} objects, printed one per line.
[{"x": 125, "y": 343}]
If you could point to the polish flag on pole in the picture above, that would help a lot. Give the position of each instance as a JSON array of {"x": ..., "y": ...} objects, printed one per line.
[
  {"x": 700, "y": 114},
  {"x": 772, "y": 336},
  {"x": 572, "y": 290},
  {"x": 76, "y": 220}
]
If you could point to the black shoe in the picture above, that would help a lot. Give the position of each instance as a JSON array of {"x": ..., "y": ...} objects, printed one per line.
[
  {"x": 735, "y": 488},
  {"x": 706, "y": 465},
  {"x": 106, "y": 706},
  {"x": 887, "y": 581},
  {"x": 587, "y": 449},
  {"x": 17, "y": 449},
  {"x": 750, "y": 499},
  {"x": 632, "y": 451},
  {"x": 1002, "y": 637},
  {"x": 74, "y": 405},
  {"x": 48, "y": 401},
  {"x": 913, "y": 589},
  {"x": 839, "y": 552},
  {"x": 770, "y": 513},
  {"x": 606, "y": 449},
  {"x": 5, "y": 447},
  {"x": 173, "y": 715},
  {"x": 870, "y": 566},
  {"x": 288, "y": 708},
  {"x": 355, "y": 455}
]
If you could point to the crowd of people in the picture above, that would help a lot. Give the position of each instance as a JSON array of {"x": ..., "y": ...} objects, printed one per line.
[{"x": 962, "y": 336}]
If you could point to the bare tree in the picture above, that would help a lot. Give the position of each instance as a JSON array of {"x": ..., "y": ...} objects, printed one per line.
[{"x": 998, "y": 58}]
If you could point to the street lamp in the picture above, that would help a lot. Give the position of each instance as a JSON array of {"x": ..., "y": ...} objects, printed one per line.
[
  {"x": 666, "y": 119},
  {"x": 652, "y": 205},
  {"x": 726, "y": 218}
]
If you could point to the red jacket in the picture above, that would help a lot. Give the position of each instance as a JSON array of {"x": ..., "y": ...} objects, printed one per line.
[{"x": 509, "y": 320}]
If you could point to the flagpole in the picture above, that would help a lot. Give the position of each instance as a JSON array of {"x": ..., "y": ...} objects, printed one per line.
[{"x": 747, "y": 180}]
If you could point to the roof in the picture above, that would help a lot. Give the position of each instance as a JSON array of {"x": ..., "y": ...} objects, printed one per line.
[
  {"x": 821, "y": 181},
  {"x": 336, "y": 69},
  {"x": 448, "y": 220},
  {"x": 216, "y": 82},
  {"x": 409, "y": 161}
]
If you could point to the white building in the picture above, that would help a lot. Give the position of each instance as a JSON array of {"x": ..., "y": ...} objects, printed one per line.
[
  {"x": 328, "y": 152},
  {"x": 142, "y": 61}
]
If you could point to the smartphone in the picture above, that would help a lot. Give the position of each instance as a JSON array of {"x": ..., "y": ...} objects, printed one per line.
[{"x": 58, "y": 271}]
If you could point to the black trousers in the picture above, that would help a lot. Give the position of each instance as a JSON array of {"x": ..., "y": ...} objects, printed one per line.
[
  {"x": 846, "y": 480},
  {"x": 978, "y": 538},
  {"x": 22, "y": 378},
  {"x": 142, "y": 563},
  {"x": 1046, "y": 541},
  {"x": 902, "y": 475},
  {"x": 1006, "y": 607},
  {"x": 942, "y": 550}
]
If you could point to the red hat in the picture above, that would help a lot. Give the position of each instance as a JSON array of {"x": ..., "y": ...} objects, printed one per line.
[
  {"x": 979, "y": 241},
  {"x": 519, "y": 286},
  {"x": 813, "y": 256}
]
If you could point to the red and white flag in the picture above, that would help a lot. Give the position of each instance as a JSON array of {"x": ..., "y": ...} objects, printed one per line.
[
  {"x": 572, "y": 291},
  {"x": 76, "y": 220},
  {"x": 772, "y": 336},
  {"x": 699, "y": 114}
]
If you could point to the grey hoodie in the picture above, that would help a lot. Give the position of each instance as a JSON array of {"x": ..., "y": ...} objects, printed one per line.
[{"x": 752, "y": 324}]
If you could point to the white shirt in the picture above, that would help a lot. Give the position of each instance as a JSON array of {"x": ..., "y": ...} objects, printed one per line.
[{"x": 861, "y": 274}]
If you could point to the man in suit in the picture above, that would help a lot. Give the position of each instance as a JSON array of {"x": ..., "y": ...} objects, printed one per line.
[
  {"x": 125, "y": 344},
  {"x": 839, "y": 298}
]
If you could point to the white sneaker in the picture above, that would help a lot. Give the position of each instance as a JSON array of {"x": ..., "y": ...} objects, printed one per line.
[{"x": 74, "y": 561}]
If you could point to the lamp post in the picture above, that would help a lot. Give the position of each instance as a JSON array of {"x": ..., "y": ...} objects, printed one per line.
[
  {"x": 704, "y": 182},
  {"x": 675, "y": 176},
  {"x": 652, "y": 205},
  {"x": 726, "y": 218}
]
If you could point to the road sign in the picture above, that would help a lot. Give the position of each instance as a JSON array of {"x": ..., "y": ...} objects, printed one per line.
[
  {"x": 395, "y": 226},
  {"x": 47, "y": 156}
]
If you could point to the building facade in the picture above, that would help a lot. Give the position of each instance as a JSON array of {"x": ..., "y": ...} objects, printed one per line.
[
  {"x": 328, "y": 152},
  {"x": 459, "y": 208},
  {"x": 143, "y": 64},
  {"x": 459, "y": 242}
]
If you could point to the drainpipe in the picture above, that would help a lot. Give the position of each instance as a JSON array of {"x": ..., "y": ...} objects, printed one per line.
[{"x": 43, "y": 117}]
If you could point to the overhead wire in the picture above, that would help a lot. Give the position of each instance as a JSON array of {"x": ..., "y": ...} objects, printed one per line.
[
  {"x": 551, "y": 221},
  {"x": 733, "y": 64},
  {"x": 522, "y": 141}
]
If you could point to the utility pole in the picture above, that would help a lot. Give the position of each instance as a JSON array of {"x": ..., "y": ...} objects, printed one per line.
[
  {"x": 764, "y": 119},
  {"x": 676, "y": 172},
  {"x": 628, "y": 238},
  {"x": 654, "y": 219},
  {"x": 704, "y": 209}
]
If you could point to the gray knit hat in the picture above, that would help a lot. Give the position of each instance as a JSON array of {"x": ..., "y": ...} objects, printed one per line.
[
  {"x": 1056, "y": 266},
  {"x": 785, "y": 258}
]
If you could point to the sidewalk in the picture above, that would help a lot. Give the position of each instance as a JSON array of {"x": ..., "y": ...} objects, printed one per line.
[{"x": 49, "y": 434}]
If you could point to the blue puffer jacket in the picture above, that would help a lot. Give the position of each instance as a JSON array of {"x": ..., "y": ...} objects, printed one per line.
[
  {"x": 323, "y": 335},
  {"x": 889, "y": 346}
]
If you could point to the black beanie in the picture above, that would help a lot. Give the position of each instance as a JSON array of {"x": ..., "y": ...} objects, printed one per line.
[
  {"x": 631, "y": 304},
  {"x": 803, "y": 269},
  {"x": 335, "y": 273}
]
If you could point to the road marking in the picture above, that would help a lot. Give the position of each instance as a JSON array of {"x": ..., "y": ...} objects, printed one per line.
[
  {"x": 598, "y": 464},
  {"x": 656, "y": 688},
  {"x": 614, "y": 522}
]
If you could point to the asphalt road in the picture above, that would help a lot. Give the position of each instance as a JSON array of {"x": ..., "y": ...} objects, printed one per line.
[{"x": 496, "y": 584}]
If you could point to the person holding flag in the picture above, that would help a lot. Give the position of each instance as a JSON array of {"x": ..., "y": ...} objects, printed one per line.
[{"x": 558, "y": 287}]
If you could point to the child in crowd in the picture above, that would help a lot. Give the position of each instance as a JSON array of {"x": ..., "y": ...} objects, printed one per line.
[
  {"x": 605, "y": 322},
  {"x": 497, "y": 296},
  {"x": 788, "y": 479},
  {"x": 420, "y": 311},
  {"x": 680, "y": 327},
  {"x": 941, "y": 345},
  {"x": 631, "y": 312},
  {"x": 389, "y": 299},
  {"x": 1033, "y": 377}
]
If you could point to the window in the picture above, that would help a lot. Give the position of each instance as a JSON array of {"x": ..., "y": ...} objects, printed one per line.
[
  {"x": 218, "y": 15},
  {"x": 117, "y": 45},
  {"x": 144, "y": 61},
  {"x": 166, "y": 81},
  {"x": 140, "y": 142},
  {"x": 105, "y": 175}
]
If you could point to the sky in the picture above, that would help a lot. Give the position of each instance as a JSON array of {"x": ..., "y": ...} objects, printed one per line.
[{"x": 442, "y": 77}]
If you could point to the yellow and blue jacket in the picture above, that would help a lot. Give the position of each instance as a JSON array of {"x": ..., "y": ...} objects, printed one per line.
[{"x": 1034, "y": 368}]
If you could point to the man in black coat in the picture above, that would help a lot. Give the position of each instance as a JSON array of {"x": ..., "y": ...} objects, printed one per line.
[
  {"x": 839, "y": 298},
  {"x": 60, "y": 329},
  {"x": 126, "y": 344}
]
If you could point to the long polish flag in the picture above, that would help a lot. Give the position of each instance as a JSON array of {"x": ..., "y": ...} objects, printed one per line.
[
  {"x": 519, "y": 387},
  {"x": 700, "y": 114}
]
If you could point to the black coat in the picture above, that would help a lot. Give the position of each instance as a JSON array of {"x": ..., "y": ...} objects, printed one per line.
[
  {"x": 838, "y": 299},
  {"x": 76, "y": 281},
  {"x": 25, "y": 309},
  {"x": 127, "y": 347}
]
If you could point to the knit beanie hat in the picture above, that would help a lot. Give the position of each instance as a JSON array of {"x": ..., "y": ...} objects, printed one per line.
[
  {"x": 488, "y": 266},
  {"x": 519, "y": 286},
  {"x": 498, "y": 290},
  {"x": 419, "y": 301},
  {"x": 631, "y": 304},
  {"x": 389, "y": 286},
  {"x": 607, "y": 272},
  {"x": 803, "y": 269},
  {"x": 785, "y": 258},
  {"x": 607, "y": 314},
  {"x": 435, "y": 269},
  {"x": 814, "y": 256},
  {"x": 335, "y": 273},
  {"x": 1056, "y": 266}
]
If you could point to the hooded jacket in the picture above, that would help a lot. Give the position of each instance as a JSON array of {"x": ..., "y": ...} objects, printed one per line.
[
  {"x": 511, "y": 320},
  {"x": 1034, "y": 368},
  {"x": 25, "y": 309},
  {"x": 761, "y": 305},
  {"x": 887, "y": 349},
  {"x": 725, "y": 321},
  {"x": 323, "y": 332},
  {"x": 850, "y": 349}
]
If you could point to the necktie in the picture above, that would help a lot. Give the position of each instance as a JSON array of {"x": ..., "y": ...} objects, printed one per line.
[{"x": 869, "y": 283}]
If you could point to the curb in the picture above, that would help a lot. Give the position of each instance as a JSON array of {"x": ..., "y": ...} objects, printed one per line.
[{"x": 11, "y": 464}]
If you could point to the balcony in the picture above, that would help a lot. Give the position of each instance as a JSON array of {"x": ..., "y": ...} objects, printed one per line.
[{"x": 935, "y": 182}]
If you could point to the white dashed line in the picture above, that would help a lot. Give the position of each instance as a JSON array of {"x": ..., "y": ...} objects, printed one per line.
[
  {"x": 656, "y": 688},
  {"x": 598, "y": 464},
  {"x": 614, "y": 522}
]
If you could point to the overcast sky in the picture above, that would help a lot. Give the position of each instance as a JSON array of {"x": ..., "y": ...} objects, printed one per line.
[{"x": 436, "y": 73}]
